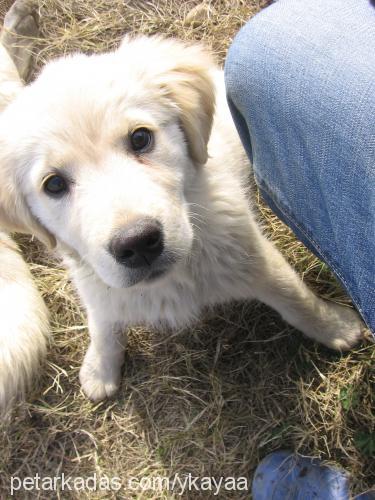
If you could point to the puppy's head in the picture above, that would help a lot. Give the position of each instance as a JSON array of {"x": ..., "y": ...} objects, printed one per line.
[{"x": 99, "y": 151}]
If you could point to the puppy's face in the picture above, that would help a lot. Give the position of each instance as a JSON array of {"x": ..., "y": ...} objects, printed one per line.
[{"x": 103, "y": 149}]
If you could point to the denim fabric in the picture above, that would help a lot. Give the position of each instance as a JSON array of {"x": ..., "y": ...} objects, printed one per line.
[{"x": 300, "y": 82}]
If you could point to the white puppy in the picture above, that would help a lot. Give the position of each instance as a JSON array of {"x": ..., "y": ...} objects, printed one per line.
[
  {"x": 112, "y": 158},
  {"x": 23, "y": 314},
  {"x": 23, "y": 325}
]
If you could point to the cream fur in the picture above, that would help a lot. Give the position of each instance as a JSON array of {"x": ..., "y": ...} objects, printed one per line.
[
  {"x": 23, "y": 325},
  {"x": 23, "y": 315},
  {"x": 10, "y": 83},
  {"x": 76, "y": 118}
]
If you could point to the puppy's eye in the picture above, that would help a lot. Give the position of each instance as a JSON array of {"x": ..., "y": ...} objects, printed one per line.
[
  {"x": 55, "y": 185},
  {"x": 141, "y": 139}
]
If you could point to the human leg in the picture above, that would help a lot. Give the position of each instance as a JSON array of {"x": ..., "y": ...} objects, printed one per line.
[{"x": 301, "y": 87}]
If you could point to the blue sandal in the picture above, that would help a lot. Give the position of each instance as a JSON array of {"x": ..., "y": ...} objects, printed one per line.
[{"x": 284, "y": 475}]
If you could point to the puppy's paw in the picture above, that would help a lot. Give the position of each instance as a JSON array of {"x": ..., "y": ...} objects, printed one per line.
[
  {"x": 19, "y": 34},
  {"x": 343, "y": 328},
  {"x": 100, "y": 378},
  {"x": 22, "y": 19},
  {"x": 95, "y": 388}
]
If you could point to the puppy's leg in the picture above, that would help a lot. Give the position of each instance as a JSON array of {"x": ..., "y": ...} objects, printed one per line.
[
  {"x": 277, "y": 285},
  {"x": 23, "y": 324},
  {"x": 23, "y": 314},
  {"x": 10, "y": 83},
  {"x": 16, "y": 45},
  {"x": 19, "y": 33},
  {"x": 101, "y": 368}
]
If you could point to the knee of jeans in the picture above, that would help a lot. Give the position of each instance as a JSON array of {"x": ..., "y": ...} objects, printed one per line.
[
  {"x": 238, "y": 65},
  {"x": 250, "y": 60},
  {"x": 264, "y": 50}
]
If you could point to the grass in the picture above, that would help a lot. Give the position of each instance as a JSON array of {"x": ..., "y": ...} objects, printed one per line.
[{"x": 209, "y": 401}]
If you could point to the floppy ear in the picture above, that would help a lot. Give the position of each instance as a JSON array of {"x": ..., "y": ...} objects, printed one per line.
[
  {"x": 15, "y": 215},
  {"x": 182, "y": 74},
  {"x": 189, "y": 85}
]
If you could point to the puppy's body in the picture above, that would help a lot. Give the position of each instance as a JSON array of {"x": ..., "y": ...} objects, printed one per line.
[
  {"x": 23, "y": 324},
  {"x": 225, "y": 240},
  {"x": 209, "y": 247},
  {"x": 23, "y": 314}
]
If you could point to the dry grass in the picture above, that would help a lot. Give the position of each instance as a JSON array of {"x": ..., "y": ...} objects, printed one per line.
[{"x": 210, "y": 401}]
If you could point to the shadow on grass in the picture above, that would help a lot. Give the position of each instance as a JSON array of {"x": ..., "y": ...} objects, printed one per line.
[{"x": 211, "y": 401}]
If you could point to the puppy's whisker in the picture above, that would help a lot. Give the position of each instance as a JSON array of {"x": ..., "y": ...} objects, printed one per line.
[{"x": 200, "y": 206}]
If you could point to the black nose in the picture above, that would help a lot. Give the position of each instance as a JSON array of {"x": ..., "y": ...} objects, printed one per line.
[{"x": 139, "y": 244}]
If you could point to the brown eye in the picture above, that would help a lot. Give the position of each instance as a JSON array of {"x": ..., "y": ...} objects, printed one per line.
[
  {"x": 141, "y": 139},
  {"x": 55, "y": 185}
]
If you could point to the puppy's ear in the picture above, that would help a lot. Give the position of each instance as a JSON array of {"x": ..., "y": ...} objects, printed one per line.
[
  {"x": 182, "y": 74},
  {"x": 189, "y": 85},
  {"x": 15, "y": 215}
]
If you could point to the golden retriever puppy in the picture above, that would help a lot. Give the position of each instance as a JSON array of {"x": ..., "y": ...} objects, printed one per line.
[
  {"x": 121, "y": 161},
  {"x": 23, "y": 314},
  {"x": 23, "y": 325}
]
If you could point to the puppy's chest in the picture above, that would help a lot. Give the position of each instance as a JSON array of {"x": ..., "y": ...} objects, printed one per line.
[{"x": 179, "y": 300}]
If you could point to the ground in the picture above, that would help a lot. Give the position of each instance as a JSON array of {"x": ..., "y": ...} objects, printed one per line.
[{"x": 211, "y": 401}]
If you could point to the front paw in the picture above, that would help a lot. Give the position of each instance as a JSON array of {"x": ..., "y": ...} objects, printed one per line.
[
  {"x": 343, "y": 328},
  {"x": 19, "y": 34},
  {"x": 99, "y": 377}
]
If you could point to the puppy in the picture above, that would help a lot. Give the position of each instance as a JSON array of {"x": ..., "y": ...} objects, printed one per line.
[
  {"x": 23, "y": 314},
  {"x": 23, "y": 325},
  {"x": 111, "y": 159}
]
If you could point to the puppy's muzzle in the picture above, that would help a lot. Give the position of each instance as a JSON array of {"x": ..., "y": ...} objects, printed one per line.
[{"x": 139, "y": 244}]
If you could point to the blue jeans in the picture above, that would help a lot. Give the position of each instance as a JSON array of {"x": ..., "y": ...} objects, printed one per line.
[{"x": 300, "y": 80}]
